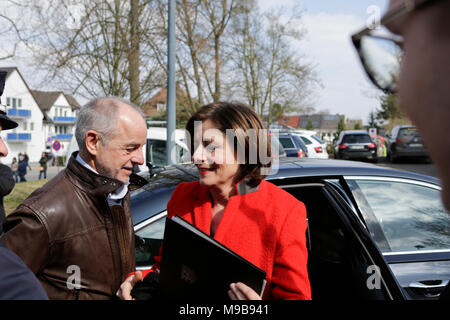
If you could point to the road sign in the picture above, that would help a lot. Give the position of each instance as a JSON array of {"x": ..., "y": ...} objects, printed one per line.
[
  {"x": 56, "y": 145},
  {"x": 373, "y": 132}
]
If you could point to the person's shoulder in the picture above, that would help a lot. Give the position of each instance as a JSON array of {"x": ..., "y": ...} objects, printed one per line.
[
  {"x": 275, "y": 190},
  {"x": 186, "y": 187},
  {"x": 41, "y": 198},
  {"x": 4, "y": 168},
  {"x": 183, "y": 195},
  {"x": 16, "y": 280},
  {"x": 280, "y": 198}
]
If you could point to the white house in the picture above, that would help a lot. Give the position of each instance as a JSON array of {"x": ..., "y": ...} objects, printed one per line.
[
  {"x": 60, "y": 114},
  {"x": 22, "y": 107},
  {"x": 44, "y": 118}
]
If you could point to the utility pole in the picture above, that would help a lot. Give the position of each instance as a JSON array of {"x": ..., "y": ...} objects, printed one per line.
[{"x": 171, "y": 86}]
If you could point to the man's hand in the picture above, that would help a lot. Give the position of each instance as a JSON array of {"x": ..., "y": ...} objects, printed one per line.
[
  {"x": 240, "y": 291},
  {"x": 124, "y": 291}
]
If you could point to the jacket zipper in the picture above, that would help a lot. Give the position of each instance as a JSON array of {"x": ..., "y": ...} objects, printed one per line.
[{"x": 117, "y": 242}]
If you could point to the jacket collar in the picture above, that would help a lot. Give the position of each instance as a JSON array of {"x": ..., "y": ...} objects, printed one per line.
[
  {"x": 242, "y": 188},
  {"x": 96, "y": 183}
]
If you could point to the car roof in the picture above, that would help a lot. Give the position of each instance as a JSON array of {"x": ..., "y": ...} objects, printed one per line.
[
  {"x": 355, "y": 132},
  {"x": 311, "y": 167},
  {"x": 294, "y": 167},
  {"x": 305, "y": 132},
  {"x": 160, "y": 187}
]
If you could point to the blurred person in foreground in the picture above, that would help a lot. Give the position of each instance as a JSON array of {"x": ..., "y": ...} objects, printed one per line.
[
  {"x": 414, "y": 64},
  {"x": 235, "y": 205},
  {"x": 17, "y": 282},
  {"x": 76, "y": 233}
]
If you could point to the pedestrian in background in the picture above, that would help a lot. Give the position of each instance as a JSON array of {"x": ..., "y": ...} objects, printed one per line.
[
  {"x": 43, "y": 166},
  {"x": 22, "y": 168},
  {"x": 27, "y": 160},
  {"x": 15, "y": 169}
]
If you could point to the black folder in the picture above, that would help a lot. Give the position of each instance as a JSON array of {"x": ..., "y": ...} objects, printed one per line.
[{"x": 194, "y": 266}]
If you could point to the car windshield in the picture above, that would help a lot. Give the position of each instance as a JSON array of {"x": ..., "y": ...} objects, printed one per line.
[{"x": 356, "y": 138}]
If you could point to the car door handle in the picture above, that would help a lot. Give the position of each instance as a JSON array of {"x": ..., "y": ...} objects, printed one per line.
[{"x": 430, "y": 289}]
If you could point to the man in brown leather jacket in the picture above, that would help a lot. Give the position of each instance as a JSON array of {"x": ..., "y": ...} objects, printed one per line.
[{"x": 76, "y": 232}]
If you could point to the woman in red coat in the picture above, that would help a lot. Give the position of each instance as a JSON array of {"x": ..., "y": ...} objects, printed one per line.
[{"x": 231, "y": 202}]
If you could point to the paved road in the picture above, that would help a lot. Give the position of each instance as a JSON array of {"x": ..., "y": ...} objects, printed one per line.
[
  {"x": 33, "y": 174},
  {"x": 418, "y": 166}
]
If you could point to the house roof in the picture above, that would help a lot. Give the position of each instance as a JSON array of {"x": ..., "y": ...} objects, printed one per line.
[
  {"x": 149, "y": 107},
  {"x": 292, "y": 121},
  {"x": 46, "y": 99},
  {"x": 9, "y": 70}
]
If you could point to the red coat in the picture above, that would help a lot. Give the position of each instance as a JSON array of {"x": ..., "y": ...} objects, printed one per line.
[{"x": 265, "y": 225}]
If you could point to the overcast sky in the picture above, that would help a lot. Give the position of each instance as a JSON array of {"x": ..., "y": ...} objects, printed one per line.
[{"x": 329, "y": 25}]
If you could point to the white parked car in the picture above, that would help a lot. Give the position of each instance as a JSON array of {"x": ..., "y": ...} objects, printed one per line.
[{"x": 316, "y": 147}]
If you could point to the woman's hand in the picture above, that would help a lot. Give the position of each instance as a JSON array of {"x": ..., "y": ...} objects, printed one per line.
[
  {"x": 240, "y": 291},
  {"x": 124, "y": 291}
]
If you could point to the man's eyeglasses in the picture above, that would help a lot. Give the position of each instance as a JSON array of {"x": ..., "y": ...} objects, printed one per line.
[{"x": 380, "y": 51}]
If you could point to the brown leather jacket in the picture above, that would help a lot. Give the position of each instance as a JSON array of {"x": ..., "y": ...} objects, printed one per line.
[{"x": 78, "y": 246}]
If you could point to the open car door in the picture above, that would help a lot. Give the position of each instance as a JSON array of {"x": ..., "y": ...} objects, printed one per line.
[{"x": 367, "y": 259}]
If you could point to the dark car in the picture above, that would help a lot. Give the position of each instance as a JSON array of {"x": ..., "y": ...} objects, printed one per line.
[
  {"x": 293, "y": 145},
  {"x": 406, "y": 142},
  {"x": 373, "y": 233},
  {"x": 355, "y": 145}
]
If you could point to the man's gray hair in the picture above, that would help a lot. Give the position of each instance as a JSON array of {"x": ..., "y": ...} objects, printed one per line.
[{"x": 101, "y": 115}]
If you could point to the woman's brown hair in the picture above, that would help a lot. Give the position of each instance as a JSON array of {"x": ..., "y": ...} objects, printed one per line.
[{"x": 247, "y": 127}]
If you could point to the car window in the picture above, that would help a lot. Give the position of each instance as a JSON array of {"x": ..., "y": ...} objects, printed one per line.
[
  {"x": 410, "y": 216},
  {"x": 287, "y": 142},
  {"x": 156, "y": 153},
  {"x": 148, "y": 242},
  {"x": 306, "y": 140},
  {"x": 277, "y": 149},
  {"x": 356, "y": 138},
  {"x": 317, "y": 139}
]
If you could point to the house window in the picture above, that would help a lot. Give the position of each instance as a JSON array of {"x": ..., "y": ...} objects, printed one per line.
[
  {"x": 25, "y": 126},
  {"x": 8, "y": 102},
  {"x": 31, "y": 126},
  {"x": 160, "y": 107},
  {"x": 14, "y": 103},
  {"x": 19, "y": 102}
]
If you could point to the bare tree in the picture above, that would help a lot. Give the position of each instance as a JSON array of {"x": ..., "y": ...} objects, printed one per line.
[
  {"x": 93, "y": 47},
  {"x": 271, "y": 69}
]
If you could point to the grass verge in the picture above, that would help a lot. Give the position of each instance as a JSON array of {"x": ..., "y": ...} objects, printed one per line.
[{"x": 20, "y": 192}]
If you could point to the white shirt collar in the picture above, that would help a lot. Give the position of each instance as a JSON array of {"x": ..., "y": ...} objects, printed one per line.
[{"x": 114, "y": 197}]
